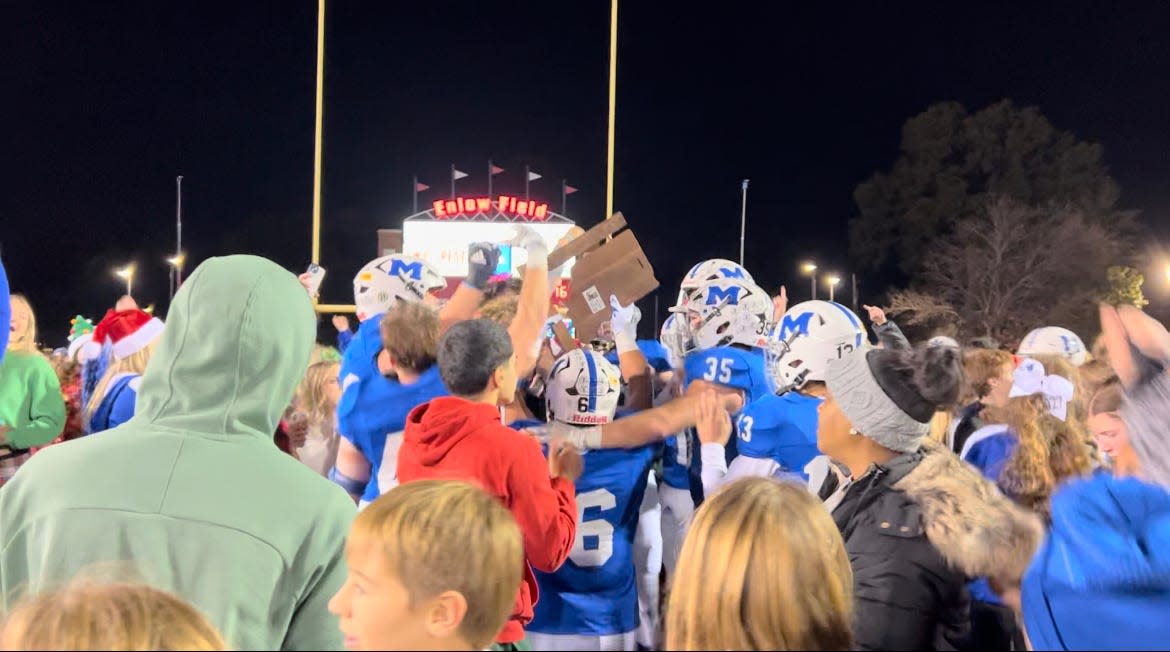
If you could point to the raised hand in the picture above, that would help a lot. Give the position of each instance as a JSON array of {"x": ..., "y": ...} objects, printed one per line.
[
  {"x": 482, "y": 260},
  {"x": 1138, "y": 344},
  {"x": 780, "y": 304},
  {"x": 876, "y": 315},
  {"x": 624, "y": 318},
  {"x": 712, "y": 421},
  {"x": 527, "y": 238}
]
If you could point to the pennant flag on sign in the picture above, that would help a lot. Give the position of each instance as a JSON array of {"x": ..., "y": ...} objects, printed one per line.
[
  {"x": 457, "y": 174},
  {"x": 569, "y": 189},
  {"x": 419, "y": 187},
  {"x": 532, "y": 176},
  {"x": 497, "y": 169}
]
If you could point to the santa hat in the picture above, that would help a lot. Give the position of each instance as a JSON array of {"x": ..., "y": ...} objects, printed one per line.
[{"x": 129, "y": 331}]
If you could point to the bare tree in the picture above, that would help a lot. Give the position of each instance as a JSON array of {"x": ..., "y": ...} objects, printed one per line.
[{"x": 1010, "y": 268}]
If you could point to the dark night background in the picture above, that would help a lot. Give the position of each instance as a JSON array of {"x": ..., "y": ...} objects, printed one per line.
[{"x": 105, "y": 103}]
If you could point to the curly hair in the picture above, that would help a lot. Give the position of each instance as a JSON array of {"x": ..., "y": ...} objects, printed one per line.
[
  {"x": 1078, "y": 415},
  {"x": 1049, "y": 451}
]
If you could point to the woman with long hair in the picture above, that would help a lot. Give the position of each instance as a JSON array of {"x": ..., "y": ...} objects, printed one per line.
[
  {"x": 1109, "y": 428},
  {"x": 133, "y": 334},
  {"x": 1038, "y": 445},
  {"x": 32, "y": 411},
  {"x": 316, "y": 404},
  {"x": 763, "y": 567}
]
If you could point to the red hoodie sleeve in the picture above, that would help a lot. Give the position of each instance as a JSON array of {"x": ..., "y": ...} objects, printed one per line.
[{"x": 545, "y": 510}]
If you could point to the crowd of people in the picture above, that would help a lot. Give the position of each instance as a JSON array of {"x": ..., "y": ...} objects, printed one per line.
[{"x": 457, "y": 474}]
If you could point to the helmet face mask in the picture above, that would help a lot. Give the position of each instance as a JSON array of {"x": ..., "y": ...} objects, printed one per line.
[
  {"x": 808, "y": 336},
  {"x": 582, "y": 389},
  {"x": 676, "y": 339},
  {"x": 385, "y": 281}
]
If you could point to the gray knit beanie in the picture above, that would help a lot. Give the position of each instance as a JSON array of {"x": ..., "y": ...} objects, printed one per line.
[{"x": 890, "y": 396}]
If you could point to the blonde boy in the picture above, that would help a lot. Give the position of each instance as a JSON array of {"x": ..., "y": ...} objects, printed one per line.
[{"x": 433, "y": 565}]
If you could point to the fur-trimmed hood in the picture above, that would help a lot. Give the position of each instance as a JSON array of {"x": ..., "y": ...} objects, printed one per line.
[{"x": 978, "y": 530}]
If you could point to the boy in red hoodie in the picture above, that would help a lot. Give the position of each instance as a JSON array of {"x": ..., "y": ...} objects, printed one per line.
[{"x": 461, "y": 437}]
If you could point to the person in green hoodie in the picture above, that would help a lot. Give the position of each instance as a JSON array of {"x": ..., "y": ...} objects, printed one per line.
[
  {"x": 191, "y": 495},
  {"x": 32, "y": 409}
]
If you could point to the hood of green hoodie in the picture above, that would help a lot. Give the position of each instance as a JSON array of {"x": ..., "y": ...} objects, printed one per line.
[{"x": 238, "y": 338}]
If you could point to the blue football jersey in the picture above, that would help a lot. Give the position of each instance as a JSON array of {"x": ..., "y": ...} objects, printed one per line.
[
  {"x": 676, "y": 458},
  {"x": 731, "y": 367},
  {"x": 728, "y": 366},
  {"x": 372, "y": 414},
  {"x": 595, "y": 592},
  {"x": 360, "y": 358},
  {"x": 781, "y": 428}
]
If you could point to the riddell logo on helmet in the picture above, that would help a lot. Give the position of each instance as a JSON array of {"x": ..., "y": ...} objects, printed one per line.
[{"x": 589, "y": 419}]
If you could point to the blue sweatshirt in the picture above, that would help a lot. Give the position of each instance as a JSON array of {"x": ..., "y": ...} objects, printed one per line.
[{"x": 1101, "y": 580}]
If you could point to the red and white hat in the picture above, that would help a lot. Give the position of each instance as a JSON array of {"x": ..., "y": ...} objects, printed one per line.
[{"x": 129, "y": 331}]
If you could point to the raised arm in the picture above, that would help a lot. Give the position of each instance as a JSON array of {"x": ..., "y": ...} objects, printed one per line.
[
  {"x": 532, "y": 308},
  {"x": 482, "y": 260},
  {"x": 631, "y": 360}
]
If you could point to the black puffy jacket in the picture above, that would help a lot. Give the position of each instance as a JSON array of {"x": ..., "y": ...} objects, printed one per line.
[{"x": 916, "y": 529}]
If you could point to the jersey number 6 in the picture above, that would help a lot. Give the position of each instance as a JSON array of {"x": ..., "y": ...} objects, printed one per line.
[{"x": 596, "y": 533}]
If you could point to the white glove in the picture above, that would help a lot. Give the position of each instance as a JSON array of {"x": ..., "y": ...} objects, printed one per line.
[
  {"x": 624, "y": 323},
  {"x": 527, "y": 238}
]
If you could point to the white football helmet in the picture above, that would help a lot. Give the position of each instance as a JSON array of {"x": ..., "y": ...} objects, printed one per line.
[
  {"x": 387, "y": 280},
  {"x": 728, "y": 311},
  {"x": 808, "y": 336},
  {"x": 1054, "y": 340},
  {"x": 676, "y": 339},
  {"x": 707, "y": 271},
  {"x": 582, "y": 389}
]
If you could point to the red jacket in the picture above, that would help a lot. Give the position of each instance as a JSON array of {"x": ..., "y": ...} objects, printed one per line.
[{"x": 455, "y": 438}]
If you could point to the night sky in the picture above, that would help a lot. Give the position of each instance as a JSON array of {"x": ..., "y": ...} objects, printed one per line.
[{"x": 105, "y": 103}]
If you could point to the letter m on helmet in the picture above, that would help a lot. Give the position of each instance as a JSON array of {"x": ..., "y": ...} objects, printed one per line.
[
  {"x": 412, "y": 269},
  {"x": 731, "y": 272},
  {"x": 797, "y": 324},
  {"x": 717, "y": 295}
]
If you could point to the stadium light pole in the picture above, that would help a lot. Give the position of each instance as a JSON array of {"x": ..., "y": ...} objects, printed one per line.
[
  {"x": 810, "y": 268},
  {"x": 742, "y": 219},
  {"x": 127, "y": 273},
  {"x": 613, "y": 23},
  {"x": 176, "y": 263},
  {"x": 833, "y": 281}
]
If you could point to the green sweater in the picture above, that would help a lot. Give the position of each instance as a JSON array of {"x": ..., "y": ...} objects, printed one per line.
[{"x": 30, "y": 400}]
